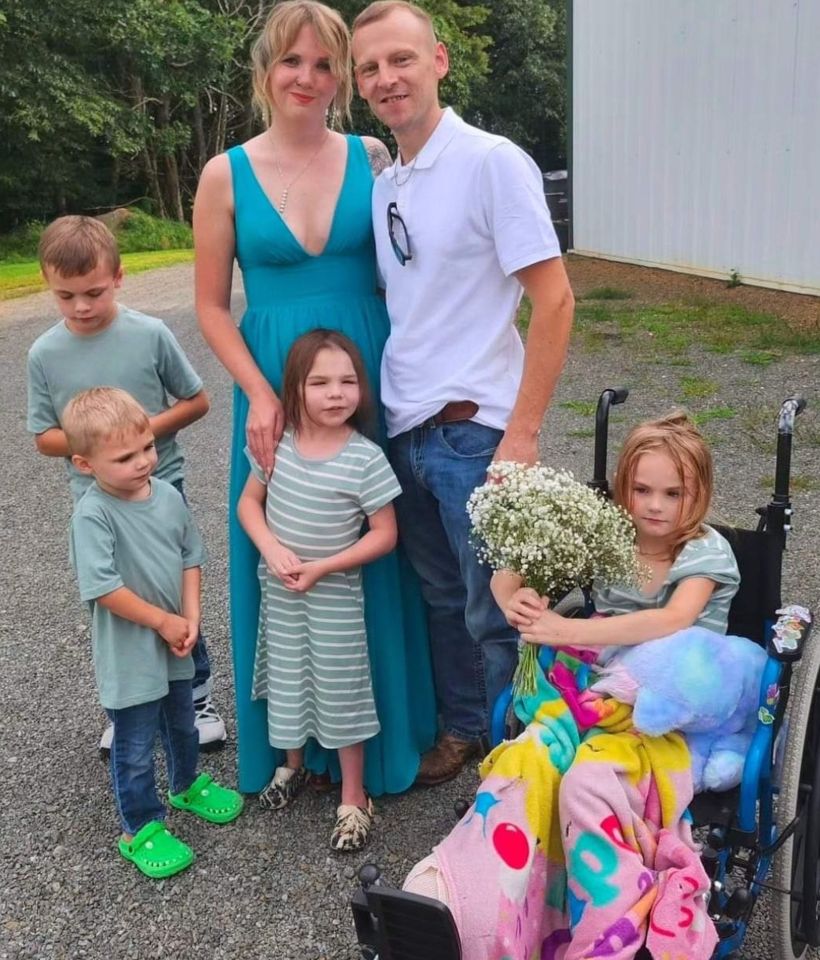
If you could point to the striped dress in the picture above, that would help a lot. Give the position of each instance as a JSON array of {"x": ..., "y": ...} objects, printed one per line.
[{"x": 311, "y": 655}]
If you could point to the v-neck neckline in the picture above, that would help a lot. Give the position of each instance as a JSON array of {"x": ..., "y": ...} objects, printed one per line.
[{"x": 270, "y": 203}]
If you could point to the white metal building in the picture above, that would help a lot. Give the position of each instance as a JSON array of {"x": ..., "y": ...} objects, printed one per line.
[{"x": 695, "y": 129}]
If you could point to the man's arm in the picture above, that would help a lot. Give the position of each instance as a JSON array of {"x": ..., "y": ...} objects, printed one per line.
[{"x": 547, "y": 286}]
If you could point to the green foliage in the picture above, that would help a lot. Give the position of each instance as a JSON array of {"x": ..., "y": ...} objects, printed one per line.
[
  {"x": 122, "y": 103},
  {"x": 20, "y": 279},
  {"x": 136, "y": 233},
  {"x": 21, "y": 243},
  {"x": 607, "y": 293},
  {"x": 141, "y": 232},
  {"x": 523, "y": 95}
]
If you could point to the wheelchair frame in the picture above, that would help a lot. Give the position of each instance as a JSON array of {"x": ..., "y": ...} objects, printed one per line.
[{"x": 769, "y": 824}]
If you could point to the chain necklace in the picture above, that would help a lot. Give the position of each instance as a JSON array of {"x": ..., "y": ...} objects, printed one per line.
[
  {"x": 283, "y": 200},
  {"x": 407, "y": 171}
]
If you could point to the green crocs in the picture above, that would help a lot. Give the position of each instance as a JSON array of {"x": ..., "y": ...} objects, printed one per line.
[
  {"x": 156, "y": 852},
  {"x": 208, "y": 800}
]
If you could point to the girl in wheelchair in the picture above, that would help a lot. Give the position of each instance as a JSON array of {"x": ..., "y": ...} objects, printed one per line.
[{"x": 578, "y": 844}]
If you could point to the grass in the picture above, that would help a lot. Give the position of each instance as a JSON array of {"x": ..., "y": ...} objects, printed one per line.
[
  {"x": 672, "y": 329},
  {"x": 584, "y": 434},
  {"x": 19, "y": 279},
  {"x": 584, "y": 408},
  {"x": 694, "y": 388},
  {"x": 714, "y": 413},
  {"x": 798, "y": 483},
  {"x": 607, "y": 293}
]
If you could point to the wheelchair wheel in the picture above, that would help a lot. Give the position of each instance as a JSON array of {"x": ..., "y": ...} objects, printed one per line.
[{"x": 796, "y": 923}]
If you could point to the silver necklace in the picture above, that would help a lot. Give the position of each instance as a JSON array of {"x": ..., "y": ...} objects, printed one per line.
[
  {"x": 283, "y": 199},
  {"x": 407, "y": 171}
]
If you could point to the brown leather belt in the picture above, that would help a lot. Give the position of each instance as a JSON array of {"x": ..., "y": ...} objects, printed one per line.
[{"x": 452, "y": 412}]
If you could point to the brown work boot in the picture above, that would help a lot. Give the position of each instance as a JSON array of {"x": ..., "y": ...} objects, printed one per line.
[{"x": 445, "y": 760}]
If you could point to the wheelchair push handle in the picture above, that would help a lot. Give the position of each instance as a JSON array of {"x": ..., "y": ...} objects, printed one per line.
[
  {"x": 609, "y": 397},
  {"x": 789, "y": 410}
]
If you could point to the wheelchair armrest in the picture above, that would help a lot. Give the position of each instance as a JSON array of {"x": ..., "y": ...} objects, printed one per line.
[{"x": 789, "y": 633}]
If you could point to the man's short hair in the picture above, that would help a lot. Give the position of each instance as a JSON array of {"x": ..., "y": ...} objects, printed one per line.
[
  {"x": 379, "y": 9},
  {"x": 99, "y": 414},
  {"x": 75, "y": 245}
]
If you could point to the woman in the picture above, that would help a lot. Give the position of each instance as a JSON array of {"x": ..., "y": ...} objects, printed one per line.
[{"x": 292, "y": 205}]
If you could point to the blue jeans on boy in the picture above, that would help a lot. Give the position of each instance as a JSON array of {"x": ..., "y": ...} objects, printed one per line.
[
  {"x": 474, "y": 650},
  {"x": 199, "y": 654},
  {"x": 132, "y": 753}
]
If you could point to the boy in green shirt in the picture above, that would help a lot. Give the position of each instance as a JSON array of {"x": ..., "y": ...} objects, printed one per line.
[
  {"x": 137, "y": 554},
  {"x": 101, "y": 343}
]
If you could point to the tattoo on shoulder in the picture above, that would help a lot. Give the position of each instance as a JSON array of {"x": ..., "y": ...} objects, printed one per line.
[{"x": 379, "y": 157}]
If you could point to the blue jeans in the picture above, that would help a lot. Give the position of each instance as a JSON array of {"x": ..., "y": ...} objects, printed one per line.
[
  {"x": 199, "y": 654},
  {"x": 473, "y": 648},
  {"x": 132, "y": 753}
]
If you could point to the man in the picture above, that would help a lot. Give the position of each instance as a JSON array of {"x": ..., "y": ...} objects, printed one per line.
[{"x": 461, "y": 228}]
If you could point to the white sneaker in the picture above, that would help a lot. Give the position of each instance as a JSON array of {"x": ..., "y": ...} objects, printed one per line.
[
  {"x": 209, "y": 724},
  {"x": 106, "y": 740},
  {"x": 210, "y": 727}
]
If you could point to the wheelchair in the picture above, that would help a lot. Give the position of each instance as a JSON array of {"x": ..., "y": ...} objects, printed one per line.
[{"x": 763, "y": 835}]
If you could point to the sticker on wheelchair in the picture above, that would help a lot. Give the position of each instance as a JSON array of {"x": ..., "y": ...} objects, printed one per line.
[{"x": 789, "y": 628}]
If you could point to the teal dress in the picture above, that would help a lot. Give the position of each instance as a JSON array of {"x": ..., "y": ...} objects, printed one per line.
[{"x": 289, "y": 292}]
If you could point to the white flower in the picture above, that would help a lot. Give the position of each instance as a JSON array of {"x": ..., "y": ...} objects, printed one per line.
[{"x": 554, "y": 531}]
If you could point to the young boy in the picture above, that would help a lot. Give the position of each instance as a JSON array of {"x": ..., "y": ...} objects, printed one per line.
[
  {"x": 137, "y": 555},
  {"x": 100, "y": 343}
]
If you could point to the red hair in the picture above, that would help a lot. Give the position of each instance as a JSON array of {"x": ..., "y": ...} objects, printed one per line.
[{"x": 679, "y": 439}]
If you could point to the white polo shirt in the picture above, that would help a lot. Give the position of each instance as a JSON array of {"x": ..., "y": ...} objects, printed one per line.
[{"x": 475, "y": 212}]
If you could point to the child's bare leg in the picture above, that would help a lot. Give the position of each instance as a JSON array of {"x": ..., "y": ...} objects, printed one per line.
[
  {"x": 351, "y": 760},
  {"x": 295, "y": 758}
]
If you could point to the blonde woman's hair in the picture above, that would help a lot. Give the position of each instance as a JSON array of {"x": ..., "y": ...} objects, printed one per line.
[
  {"x": 278, "y": 35},
  {"x": 679, "y": 439},
  {"x": 380, "y": 9},
  {"x": 75, "y": 245},
  {"x": 99, "y": 414}
]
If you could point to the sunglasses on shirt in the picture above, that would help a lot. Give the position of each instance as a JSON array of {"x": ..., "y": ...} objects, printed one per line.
[{"x": 397, "y": 231}]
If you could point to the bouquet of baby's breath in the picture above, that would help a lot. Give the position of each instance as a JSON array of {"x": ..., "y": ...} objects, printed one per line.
[{"x": 553, "y": 531}]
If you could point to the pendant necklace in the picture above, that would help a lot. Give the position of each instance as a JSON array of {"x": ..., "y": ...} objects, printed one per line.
[{"x": 286, "y": 191}]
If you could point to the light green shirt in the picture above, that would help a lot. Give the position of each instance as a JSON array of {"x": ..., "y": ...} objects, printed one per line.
[
  {"x": 143, "y": 545},
  {"x": 135, "y": 352},
  {"x": 710, "y": 557}
]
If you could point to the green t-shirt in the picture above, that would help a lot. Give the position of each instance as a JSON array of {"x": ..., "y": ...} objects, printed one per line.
[
  {"x": 135, "y": 352},
  {"x": 143, "y": 545}
]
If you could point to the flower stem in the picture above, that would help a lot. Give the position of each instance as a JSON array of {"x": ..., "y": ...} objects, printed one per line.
[{"x": 526, "y": 673}]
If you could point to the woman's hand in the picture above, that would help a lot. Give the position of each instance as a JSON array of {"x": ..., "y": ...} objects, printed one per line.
[
  {"x": 266, "y": 421},
  {"x": 523, "y": 608},
  {"x": 549, "y": 629},
  {"x": 282, "y": 563}
]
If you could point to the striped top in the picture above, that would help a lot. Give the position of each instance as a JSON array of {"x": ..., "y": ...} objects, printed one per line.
[
  {"x": 311, "y": 662},
  {"x": 709, "y": 556}
]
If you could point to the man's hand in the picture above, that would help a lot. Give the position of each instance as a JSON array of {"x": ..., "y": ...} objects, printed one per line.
[
  {"x": 523, "y": 608},
  {"x": 518, "y": 447}
]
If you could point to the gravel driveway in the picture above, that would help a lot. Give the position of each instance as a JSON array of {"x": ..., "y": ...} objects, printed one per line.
[{"x": 267, "y": 885}]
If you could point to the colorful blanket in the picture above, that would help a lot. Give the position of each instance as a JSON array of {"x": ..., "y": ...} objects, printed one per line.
[{"x": 577, "y": 844}]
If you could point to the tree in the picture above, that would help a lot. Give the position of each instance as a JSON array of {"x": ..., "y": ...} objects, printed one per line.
[{"x": 524, "y": 95}]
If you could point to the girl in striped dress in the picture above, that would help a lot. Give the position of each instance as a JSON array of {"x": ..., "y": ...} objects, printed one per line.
[{"x": 307, "y": 521}]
